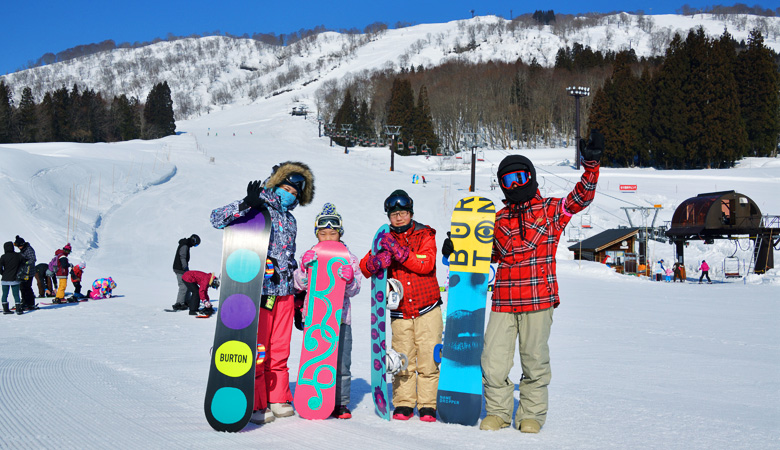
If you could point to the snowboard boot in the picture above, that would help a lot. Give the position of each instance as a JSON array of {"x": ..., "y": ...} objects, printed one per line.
[
  {"x": 341, "y": 412},
  {"x": 492, "y": 423},
  {"x": 19, "y": 309},
  {"x": 428, "y": 414},
  {"x": 5, "y": 309},
  {"x": 529, "y": 426},
  {"x": 282, "y": 409},
  {"x": 403, "y": 413},
  {"x": 262, "y": 416}
]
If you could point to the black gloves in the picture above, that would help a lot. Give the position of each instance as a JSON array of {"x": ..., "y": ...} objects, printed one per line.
[
  {"x": 298, "y": 309},
  {"x": 447, "y": 248},
  {"x": 252, "y": 199},
  {"x": 594, "y": 148}
]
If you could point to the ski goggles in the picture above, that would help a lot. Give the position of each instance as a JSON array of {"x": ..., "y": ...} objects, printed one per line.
[
  {"x": 297, "y": 181},
  {"x": 396, "y": 202},
  {"x": 332, "y": 222},
  {"x": 514, "y": 179}
]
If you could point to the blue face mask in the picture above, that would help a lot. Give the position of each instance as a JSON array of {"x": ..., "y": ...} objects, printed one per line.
[{"x": 286, "y": 198}]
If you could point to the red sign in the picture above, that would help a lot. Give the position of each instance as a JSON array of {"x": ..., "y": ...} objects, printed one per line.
[{"x": 628, "y": 187}]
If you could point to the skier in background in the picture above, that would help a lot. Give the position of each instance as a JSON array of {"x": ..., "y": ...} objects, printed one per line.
[
  {"x": 527, "y": 231},
  {"x": 26, "y": 290},
  {"x": 198, "y": 284},
  {"x": 410, "y": 256},
  {"x": 705, "y": 271},
  {"x": 291, "y": 183},
  {"x": 75, "y": 277},
  {"x": 10, "y": 263},
  {"x": 328, "y": 226},
  {"x": 181, "y": 264},
  {"x": 61, "y": 269}
]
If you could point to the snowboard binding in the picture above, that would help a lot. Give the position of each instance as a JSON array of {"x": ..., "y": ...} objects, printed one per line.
[
  {"x": 395, "y": 292},
  {"x": 395, "y": 362}
]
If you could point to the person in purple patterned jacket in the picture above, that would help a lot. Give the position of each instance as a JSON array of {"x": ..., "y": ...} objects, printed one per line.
[
  {"x": 291, "y": 183},
  {"x": 328, "y": 226}
]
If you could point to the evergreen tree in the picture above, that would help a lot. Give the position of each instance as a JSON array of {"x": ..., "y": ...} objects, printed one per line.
[
  {"x": 365, "y": 120},
  {"x": 346, "y": 115},
  {"x": 400, "y": 109},
  {"x": 643, "y": 115},
  {"x": 158, "y": 113},
  {"x": 669, "y": 120},
  {"x": 124, "y": 123},
  {"x": 759, "y": 94},
  {"x": 45, "y": 131},
  {"x": 26, "y": 117},
  {"x": 6, "y": 114},
  {"x": 60, "y": 125},
  {"x": 724, "y": 138},
  {"x": 423, "y": 130}
]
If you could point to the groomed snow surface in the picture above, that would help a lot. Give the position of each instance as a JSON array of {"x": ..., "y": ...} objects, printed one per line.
[{"x": 636, "y": 364}]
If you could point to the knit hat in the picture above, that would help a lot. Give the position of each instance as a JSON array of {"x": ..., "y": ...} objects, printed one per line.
[
  {"x": 399, "y": 200},
  {"x": 329, "y": 218},
  {"x": 19, "y": 241},
  {"x": 67, "y": 247}
]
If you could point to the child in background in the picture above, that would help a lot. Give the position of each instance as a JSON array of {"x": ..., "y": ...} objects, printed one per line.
[
  {"x": 102, "y": 288},
  {"x": 61, "y": 268},
  {"x": 669, "y": 273},
  {"x": 75, "y": 276},
  {"x": 329, "y": 227}
]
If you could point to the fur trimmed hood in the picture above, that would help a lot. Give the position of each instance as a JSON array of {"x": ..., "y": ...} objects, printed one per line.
[{"x": 283, "y": 170}]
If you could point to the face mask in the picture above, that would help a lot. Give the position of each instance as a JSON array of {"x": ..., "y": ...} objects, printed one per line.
[{"x": 286, "y": 198}]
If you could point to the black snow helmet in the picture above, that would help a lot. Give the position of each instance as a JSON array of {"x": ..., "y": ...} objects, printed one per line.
[
  {"x": 521, "y": 194},
  {"x": 195, "y": 240}
]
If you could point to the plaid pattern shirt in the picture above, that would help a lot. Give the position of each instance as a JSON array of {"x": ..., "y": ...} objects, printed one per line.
[
  {"x": 526, "y": 238},
  {"x": 417, "y": 274}
]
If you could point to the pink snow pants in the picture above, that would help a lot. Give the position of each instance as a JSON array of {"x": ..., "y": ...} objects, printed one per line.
[{"x": 272, "y": 377}]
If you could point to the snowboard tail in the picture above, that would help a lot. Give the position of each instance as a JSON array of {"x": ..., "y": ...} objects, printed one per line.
[{"x": 229, "y": 401}]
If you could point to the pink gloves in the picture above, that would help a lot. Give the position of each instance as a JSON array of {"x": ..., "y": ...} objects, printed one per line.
[
  {"x": 347, "y": 273},
  {"x": 380, "y": 261},
  {"x": 308, "y": 259},
  {"x": 399, "y": 252}
]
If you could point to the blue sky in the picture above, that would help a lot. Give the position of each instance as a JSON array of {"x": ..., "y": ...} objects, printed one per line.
[{"x": 32, "y": 28}]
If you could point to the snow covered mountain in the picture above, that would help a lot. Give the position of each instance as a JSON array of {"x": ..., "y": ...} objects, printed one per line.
[{"x": 207, "y": 73}]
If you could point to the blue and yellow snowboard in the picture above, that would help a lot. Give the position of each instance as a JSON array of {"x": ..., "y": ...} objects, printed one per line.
[{"x": 459, "y": 398}]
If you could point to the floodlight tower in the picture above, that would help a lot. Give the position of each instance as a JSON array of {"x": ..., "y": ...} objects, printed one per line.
[{"x": 577, "y": 92}]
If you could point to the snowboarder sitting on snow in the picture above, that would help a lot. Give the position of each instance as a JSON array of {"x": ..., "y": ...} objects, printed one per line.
[
  {"x": 329, "y": 227},
  {"x": 198, "y": 284},
  {"x": 60, "y": 267},
  {"x": 291, "y": 183},
  {"x": 410, "y": 256},
  {"x": 102, "y": 288},
  {"x": 181, "y": 264},
  {"x": 527, "y": 231}
]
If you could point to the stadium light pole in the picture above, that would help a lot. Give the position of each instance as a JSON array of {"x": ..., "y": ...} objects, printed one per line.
[
  {"x": 473, "y": 138},
  {"x": 393, "y": 131},
  {"x": 577, "y": 92}
]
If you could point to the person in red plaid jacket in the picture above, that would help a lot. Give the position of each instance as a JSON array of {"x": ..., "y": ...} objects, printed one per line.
[
  {"x": 409, "y": 256},
  {"x": 527, "y": 231}
]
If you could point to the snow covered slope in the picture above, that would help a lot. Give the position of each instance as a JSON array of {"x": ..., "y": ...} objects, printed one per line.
[{"x": 636, "y": 364}]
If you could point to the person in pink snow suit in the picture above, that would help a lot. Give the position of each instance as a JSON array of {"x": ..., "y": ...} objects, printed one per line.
[
  {"x": 669, "y": 273},
  {"x": 329, "y": 227},
  {"x": 102, "y": 288},
  {"x": 705, "y": 271},
  {"x": 198, "y": 284}
]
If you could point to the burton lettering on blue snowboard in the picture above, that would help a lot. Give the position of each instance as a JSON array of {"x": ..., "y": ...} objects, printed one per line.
[
  {"x": 379, "y": 389},
  {"x": 315, "y": 391},
  {"x": 230, "y": 390},
  {"x": 459, "y": 399}
]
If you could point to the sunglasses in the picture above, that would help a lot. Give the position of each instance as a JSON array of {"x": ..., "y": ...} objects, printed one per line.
[
  {"x": 513, "y": 179},
  {"x": 398, "y": 202},
  {"x": 332, "y": 222}
]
